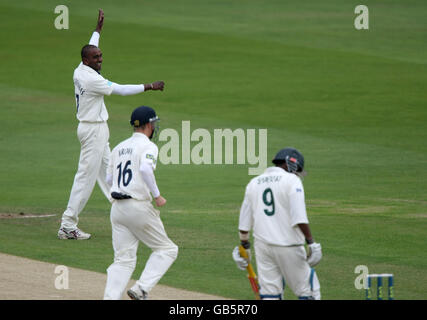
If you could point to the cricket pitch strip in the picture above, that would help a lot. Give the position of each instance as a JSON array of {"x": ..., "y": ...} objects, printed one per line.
[{"x": 26, "y": 279}]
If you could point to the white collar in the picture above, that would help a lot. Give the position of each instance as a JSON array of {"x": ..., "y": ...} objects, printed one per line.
[
  {"x": 87, "y": 68},
  {"x": 274, "y": 169},
  {"x": 140, "y": 135}
]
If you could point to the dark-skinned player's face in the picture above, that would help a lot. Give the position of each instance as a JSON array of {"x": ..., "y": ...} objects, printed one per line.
[{"x": 94, "y": 59}]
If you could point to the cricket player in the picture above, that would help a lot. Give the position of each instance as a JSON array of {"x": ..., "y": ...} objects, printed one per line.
[
  {"x": 93, "y": 133},
  {"x": 274, "y": 208},
  {"x": 133, "y": 217}
]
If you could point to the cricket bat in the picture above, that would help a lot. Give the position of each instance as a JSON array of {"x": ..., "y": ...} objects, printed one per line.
[{"x": 253, "y": 280}]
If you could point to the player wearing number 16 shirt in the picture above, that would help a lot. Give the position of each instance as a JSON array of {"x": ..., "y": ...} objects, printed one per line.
[
  {"x": 274, "y": 208},
  {"x": 133, "y": 217}
]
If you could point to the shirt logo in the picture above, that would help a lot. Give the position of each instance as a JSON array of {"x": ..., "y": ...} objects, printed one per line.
[
  {"x": 299, "y": 190},
  {"x": 151, "y": 157}
]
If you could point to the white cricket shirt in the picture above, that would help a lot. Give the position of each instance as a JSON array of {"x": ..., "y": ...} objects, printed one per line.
[
  {"x": 273, "y": 206},
  {"x": 125, "y": 163},
  {"x": 90, "y": 88}
]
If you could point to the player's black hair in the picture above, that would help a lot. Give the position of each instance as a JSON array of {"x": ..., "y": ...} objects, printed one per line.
[
  {"x": 278, "y": 162},
  {"x": 86, "y": 49},
  {"x": 141, "y": 126}
]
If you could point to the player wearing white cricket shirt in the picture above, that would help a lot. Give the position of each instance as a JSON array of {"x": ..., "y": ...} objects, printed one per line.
[
  {"x": 133, "y": 217},
  {"x": 274, "y": 208},
  {"x": 93, "y": 133}
]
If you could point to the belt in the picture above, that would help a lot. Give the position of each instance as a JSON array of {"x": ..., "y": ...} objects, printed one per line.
[
  {"x": 120, "y": 196},
  {"x": 92, "y": 122}
]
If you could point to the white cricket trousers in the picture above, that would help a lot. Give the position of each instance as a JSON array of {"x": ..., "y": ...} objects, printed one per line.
[
  {"x": 280, "y": 266},
  {"x": 94, "y": 157},
  {"x": 133, "y": 221}
]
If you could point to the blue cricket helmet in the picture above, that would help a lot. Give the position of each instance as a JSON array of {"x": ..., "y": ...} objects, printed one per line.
[
  {"x": 293, "y": 158},
  {"x": 143, "y": 115}
]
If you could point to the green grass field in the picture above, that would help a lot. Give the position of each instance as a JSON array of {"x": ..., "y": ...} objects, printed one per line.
[{"x": 353, "y": 102}]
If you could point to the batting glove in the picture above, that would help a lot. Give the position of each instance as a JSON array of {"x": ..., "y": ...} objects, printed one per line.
[
  {"x": 314, "y": 254},
  {"x": 241, "y": 262}
]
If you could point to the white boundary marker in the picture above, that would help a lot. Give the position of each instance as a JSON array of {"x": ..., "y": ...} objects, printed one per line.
[{"x": 24, "y": 216}]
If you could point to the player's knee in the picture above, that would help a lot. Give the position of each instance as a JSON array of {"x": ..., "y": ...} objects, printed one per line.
[
  {"x": 172, "y": 252},
  {"x": 125, "y": 258},
  {"x": 128, "y": 263}
]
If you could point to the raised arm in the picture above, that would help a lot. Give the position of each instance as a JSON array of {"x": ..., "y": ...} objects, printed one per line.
[
  {"x": 100, "y": 22},
  {"x": 94, "y": 40},
  {"x": 120, "y": 89}
]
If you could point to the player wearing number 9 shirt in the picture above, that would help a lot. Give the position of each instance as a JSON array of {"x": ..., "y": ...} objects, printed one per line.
[
  {"x": 133, "y": 217},
  {"x": 274, "y": 208}
]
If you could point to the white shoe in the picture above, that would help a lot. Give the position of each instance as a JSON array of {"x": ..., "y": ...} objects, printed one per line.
[
  {"x": 75, "y": 234},
  {"x": 135, "y": 293}
]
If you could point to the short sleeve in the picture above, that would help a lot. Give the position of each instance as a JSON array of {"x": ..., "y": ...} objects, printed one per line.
[
  {"x": 99, "y": 85},
  {"x": 150, "y": 156},
  {"x": 245, "y": 218},
  {"x": 298, "y": 210}
]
